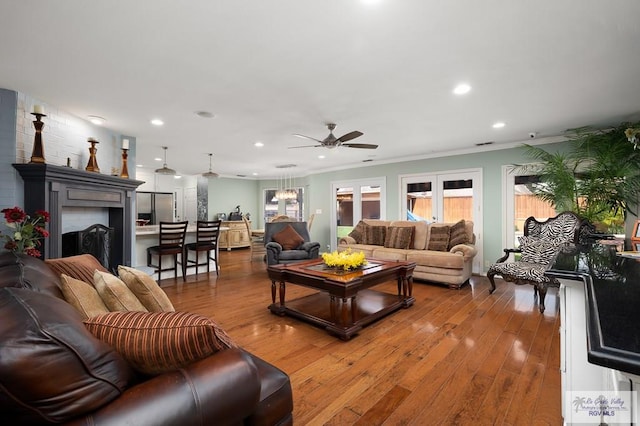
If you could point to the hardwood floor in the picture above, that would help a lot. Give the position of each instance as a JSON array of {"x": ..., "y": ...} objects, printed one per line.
[{"x": 456, "y": 357}]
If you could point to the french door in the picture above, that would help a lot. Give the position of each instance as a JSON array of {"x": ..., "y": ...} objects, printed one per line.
[
  {"x": 445, "y": 197},
  {"x": 520, "y": 203},
  {"x": 355, "y": 200}
]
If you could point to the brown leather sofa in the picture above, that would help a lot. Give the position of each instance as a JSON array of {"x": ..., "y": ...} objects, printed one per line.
[{"x": 53, "y": 371}]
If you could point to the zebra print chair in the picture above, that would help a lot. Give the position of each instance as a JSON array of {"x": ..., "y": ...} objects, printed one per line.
[{"x": 541, "y": 242}]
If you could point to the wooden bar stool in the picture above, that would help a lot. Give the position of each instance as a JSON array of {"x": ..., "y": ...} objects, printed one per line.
[
  {"x": 207, "y": 233},
  {"x": 170, "y": 243}
]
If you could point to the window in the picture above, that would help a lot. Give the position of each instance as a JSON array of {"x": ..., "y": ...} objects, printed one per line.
[{"x": 273, "y": 207}]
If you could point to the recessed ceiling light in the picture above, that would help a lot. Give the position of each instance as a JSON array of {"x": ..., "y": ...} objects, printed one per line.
[
  {"x": 158, "y": 159},
  {"x": 205, "y": 114},
  {"x": 157, "y": 122},
  {"x": 258, "y": 144},
  {"x": 254, "y": 173},
  {"x": 321, "y": 157},
  {"x": 177, "y": 177},
  {"x": 98, "y": 121},
  {"x": 462, "y": 89},
  {"x": 498, "y": 125},
  {"x": 139, "y": 165}
]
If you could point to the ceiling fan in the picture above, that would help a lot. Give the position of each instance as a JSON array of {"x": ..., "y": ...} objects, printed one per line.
[{"x": 332, "y": 142}]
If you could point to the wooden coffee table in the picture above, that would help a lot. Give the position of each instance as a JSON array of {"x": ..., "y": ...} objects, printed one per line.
[{"x": 345, "y": 302}]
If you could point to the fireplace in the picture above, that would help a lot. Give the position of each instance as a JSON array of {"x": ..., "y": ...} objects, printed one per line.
[
  {"x": 52, "y": 188},
  {"x": 95, "y": 240}
]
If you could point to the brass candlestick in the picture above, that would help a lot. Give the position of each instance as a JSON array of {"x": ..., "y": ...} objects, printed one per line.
[
  {"x": 92, "y": 165},
  {"x": 125, "y": 172},
  {"x": 37, "y": 155}
]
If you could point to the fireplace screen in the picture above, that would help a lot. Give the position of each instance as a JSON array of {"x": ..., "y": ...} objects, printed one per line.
[{"x": 95, "y": 240}]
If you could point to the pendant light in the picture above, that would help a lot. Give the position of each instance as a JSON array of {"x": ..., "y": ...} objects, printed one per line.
[
  {"x": 165, "y": 170},
  {"x": 210, "y": 174}
]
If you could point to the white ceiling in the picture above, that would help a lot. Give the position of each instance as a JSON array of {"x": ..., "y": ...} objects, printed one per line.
[{"x": 268, "y": 69}]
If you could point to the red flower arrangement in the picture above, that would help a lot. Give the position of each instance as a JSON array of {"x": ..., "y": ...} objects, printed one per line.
[{"x": 27, "y": 232}]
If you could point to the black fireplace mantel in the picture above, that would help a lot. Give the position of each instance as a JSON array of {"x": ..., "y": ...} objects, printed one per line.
[{"x": 50, "y": 188}]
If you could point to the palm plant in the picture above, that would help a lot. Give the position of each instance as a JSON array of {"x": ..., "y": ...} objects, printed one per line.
[{"x": 598, "y": 177}]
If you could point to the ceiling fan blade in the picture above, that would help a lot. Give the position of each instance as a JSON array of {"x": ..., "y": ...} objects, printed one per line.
[
  {"x": 306, "y": 146},
  {"x": 306, "y": 137},
  {"x": 360, "y": 145},
  {"x": 349, "y": 136}
]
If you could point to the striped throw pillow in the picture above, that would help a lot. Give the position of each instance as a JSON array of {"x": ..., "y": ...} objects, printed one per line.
[
  {"x": 157, "y": 342},
  {"x": 400, "y": 237}
]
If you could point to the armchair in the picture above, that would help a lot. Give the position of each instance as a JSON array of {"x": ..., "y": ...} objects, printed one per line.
[
  {"x": 278, "y": 234},
  {"x": 541, "y": 242}
]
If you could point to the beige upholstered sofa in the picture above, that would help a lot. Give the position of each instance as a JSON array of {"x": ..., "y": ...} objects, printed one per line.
[{"x": 450, "y": 265}]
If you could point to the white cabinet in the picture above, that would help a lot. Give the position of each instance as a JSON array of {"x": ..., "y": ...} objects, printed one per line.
[{"x": 576, "y": 373}]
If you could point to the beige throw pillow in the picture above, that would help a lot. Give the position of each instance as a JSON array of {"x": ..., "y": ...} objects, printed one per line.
[
  {"x": 115, "y": 294},
  {"x": 146, "y": 289},
  {"x": 82, "y": 296}
]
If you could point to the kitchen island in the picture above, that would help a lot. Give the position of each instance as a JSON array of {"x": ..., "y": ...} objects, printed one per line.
[
  {"x": 147, "y": 236},
  {"x": 599, "y": 324}
]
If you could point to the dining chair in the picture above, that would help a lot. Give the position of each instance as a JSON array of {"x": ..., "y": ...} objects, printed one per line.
[
  {"x": 207, "y": 234},
  {"x": 257, "y": 241},
  {"x": 170, "y": 243},
  {"x": 283, "y": 218}
]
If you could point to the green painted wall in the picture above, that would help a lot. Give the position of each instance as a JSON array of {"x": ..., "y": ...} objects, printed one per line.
[
  {"x": 225, "y": 194},
  {"x": 319, "y": 195}
]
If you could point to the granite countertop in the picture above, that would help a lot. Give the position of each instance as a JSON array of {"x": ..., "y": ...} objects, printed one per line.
[{"x": 612, "y": 288}]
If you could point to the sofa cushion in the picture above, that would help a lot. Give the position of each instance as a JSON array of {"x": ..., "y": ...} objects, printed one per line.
[
  {"x": 439, "y": 238},
  {"x": 80, "y": 267},
  {"x": 458, "y": 234},
  {"x": 157, "y": 342},
  {"x": 399, "y": 237},
  {"x": 51, "y": 368},
  {"x": 115, "y": 294},
  {"x": 375, "y": 235},
  {"x": 357, "y": 233},
  {"x": 367, "y": 249},
  {"x": 146, "y": 289},
  {"x": 438, "y": 259},
  {"x": 288, "y": 238},
  {"x": 82, "y": 296},
  {"x": 391, "y": 254}
]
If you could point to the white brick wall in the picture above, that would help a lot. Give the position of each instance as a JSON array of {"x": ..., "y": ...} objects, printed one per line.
[{"x": 65, "y": 136}]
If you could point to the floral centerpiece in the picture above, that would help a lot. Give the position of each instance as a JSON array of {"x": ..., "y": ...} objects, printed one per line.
[
  {"x": 346, "y": 260},
  {"x": 25, "y": 233}
]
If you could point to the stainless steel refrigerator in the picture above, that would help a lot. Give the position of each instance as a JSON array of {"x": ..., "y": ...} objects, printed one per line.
[{"x": 155, "y": 207}]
